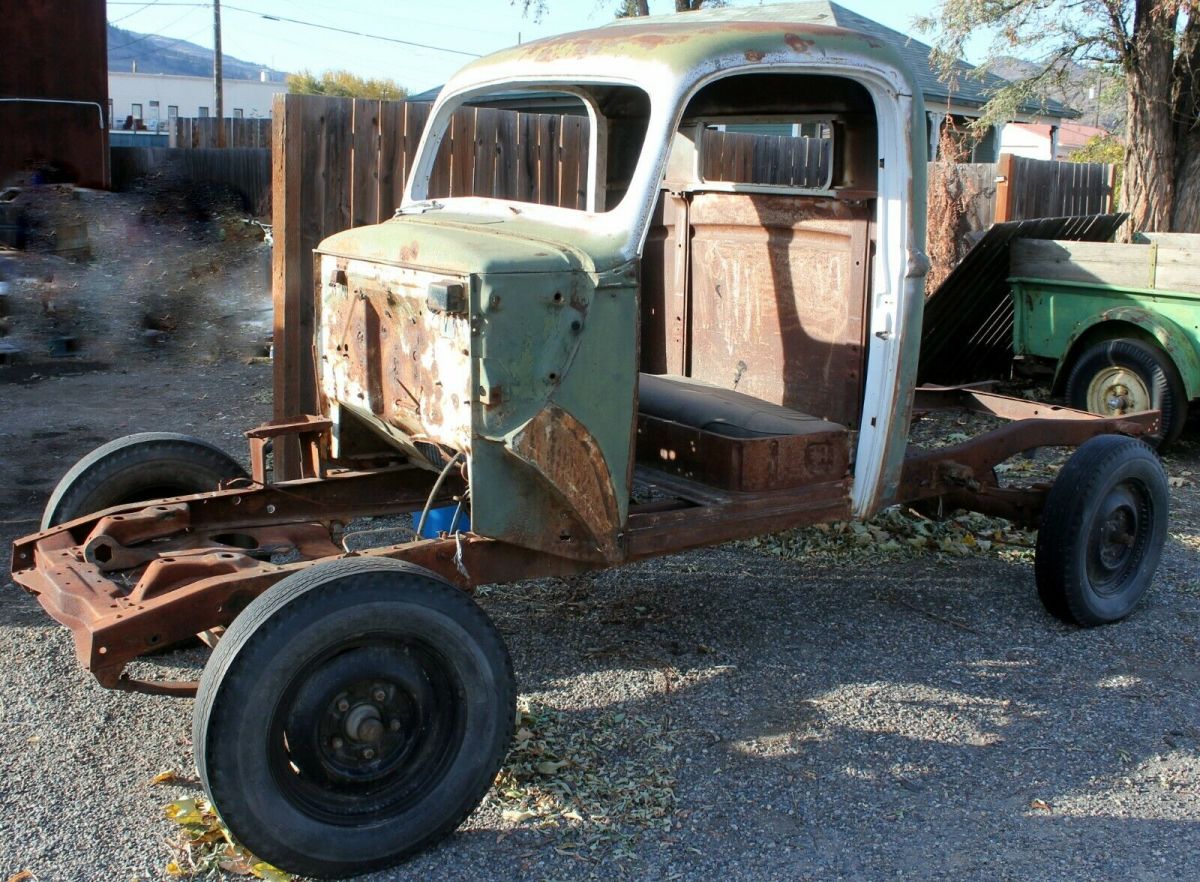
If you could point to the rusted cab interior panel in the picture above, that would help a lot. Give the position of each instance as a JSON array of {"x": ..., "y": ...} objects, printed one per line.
[{"x": 760, "y": 288}]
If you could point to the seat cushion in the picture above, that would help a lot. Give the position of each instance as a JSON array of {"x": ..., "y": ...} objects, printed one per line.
[{"x": 723, "y": 411}]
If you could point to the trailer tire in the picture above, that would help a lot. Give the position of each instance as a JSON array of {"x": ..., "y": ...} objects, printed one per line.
[
  {"x": 351, "y": 656},
  {"x": 1102, "y": 531},
  {"x": 1143, "y": 376},
  {"x": 136, "y": 468}
]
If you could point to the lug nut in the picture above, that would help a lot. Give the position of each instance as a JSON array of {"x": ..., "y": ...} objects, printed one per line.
[
  {"x": 368, "y": 754},
  {"x": 337, "y": 743},
  {"x": 394, "y": 725},
  {"x": 379, "y": 695},
  {"x": 343, "y": 705}
]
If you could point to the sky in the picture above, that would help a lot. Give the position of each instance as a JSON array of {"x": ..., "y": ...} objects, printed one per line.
[{"x": 470, "y": 26}]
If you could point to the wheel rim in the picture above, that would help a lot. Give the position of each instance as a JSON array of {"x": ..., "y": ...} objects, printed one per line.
[
  {"x": 1118, "y": 537},
  {"x": 366, "y": 730},
  {"x": 1116, "y": 391}
]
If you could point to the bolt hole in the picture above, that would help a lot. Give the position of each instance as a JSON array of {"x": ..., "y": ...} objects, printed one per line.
[
  {"x": 103, "y": 650},
  {"x": 103, "y": 553},
  {"x": 154, "y": 638},
  {"x": 553, "y": 377},
  {"x": 558, "y": 296}
]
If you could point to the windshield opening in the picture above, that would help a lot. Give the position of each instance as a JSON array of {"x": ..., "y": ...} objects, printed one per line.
[{"x": 538, "y": 146}]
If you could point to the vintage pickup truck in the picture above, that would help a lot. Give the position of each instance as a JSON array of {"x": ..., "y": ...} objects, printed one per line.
[
  {"x": 704, "y": 351},
  {"x": 1118, "y": 324}
]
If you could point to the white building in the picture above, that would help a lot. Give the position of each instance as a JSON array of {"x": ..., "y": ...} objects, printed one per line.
[{"x": 157, "y": 98}]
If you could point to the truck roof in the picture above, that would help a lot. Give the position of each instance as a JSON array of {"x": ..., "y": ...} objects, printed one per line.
[{"x": 685, "y": 42}]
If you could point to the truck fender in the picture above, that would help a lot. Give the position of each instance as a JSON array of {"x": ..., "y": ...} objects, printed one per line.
[{"x": 1165, "y": 332}]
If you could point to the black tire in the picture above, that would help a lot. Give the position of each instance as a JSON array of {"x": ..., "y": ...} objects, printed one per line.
[
  {"x": 1102, "y": 531},
  {"x": 136, "y": 468},
  {"x": 282, "y": 754},
  {"x": 1159, "y": 377}
]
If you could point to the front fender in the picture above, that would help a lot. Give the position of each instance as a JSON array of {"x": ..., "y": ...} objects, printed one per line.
[{"x": 1167, "y": 333}]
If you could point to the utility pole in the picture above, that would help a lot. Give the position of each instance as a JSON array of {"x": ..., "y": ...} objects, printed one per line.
[{"x": 218, "y": 83}]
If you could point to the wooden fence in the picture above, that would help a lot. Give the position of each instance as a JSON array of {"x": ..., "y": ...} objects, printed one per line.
[
  {"x": 201, "y": 132},
  {"x": 779, "y": 160},
  {"x": 245, "y": 169},
  {"x": 1032, "y": 188}
]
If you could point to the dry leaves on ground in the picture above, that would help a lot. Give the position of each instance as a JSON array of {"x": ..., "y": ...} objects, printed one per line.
[
  {"x": 599, "y": 781},
  {"x": 206, "y": 846}
]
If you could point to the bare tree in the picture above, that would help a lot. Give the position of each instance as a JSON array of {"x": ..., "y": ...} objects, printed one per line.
[{"x": 1155, "y": 44}]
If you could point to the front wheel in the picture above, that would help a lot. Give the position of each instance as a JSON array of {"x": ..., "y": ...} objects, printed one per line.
[
  {"x": 353, "y": 714},
  {"x": 1102, "y": 531},
  {"x": 138, "y": 468}
]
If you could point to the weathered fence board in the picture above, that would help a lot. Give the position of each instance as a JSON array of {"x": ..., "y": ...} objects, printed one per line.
[
  {"x": 1032, "y": 188},
  {"x": 245, "y": 169},
  {"x": 201, "y": 132}
]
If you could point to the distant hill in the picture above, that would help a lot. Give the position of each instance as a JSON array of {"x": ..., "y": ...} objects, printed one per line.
[
  {"x": 1074, "y": 93},
  {"x": 164, "y": 55}
]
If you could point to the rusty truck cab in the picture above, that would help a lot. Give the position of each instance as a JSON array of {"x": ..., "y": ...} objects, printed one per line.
[{"x": 699, "y": 315}]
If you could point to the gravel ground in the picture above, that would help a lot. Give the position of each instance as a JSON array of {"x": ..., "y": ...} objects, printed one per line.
[{"x": 754, "y": 718}]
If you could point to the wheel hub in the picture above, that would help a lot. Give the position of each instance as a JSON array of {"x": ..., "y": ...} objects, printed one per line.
[
  {"x": 365, "y": 728},
  {"x": 1114, "y": 546},
  {"x": 1116, "y": 391}
]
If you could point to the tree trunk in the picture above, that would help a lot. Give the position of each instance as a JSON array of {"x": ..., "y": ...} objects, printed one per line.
[
  {"x": 1186, "y": 213},
  {"x": 1149, "y": 184}
]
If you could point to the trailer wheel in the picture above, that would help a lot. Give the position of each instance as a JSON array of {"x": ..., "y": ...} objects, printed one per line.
[
  {"x": 1102, "y": 531},
  {"x": 353, "y": 714},
  {"x": 136, "y": 468},
  {"x": 1122, "y": 376}
]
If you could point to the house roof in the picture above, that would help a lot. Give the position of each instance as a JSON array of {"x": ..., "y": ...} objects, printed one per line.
[{"x": 970, "y": 90}]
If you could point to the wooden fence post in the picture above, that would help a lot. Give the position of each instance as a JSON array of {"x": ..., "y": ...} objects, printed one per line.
[{"x": 1005, "y": 191}]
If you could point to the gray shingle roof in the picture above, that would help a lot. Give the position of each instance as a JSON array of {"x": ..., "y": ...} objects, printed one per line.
[{"x": 969, "y": 90}]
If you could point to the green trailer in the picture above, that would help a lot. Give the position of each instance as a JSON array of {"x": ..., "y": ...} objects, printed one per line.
[{"x": 1119, "y": 325}]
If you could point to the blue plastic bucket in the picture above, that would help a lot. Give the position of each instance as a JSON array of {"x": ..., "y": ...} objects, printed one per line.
[{"x": 438, "y": 521}]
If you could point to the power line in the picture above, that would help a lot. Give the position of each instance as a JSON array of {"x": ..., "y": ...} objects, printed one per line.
[
  {"x": 311, "y": 24},
  {"x": 156, "y": 34},
  {"x": 135, "y": 12},
  {"x": 354, "y": 33}
]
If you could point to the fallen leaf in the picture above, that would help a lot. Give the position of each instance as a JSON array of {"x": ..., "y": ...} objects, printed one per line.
[
  {"x": 184, "y": 811},
  {"x": 168, "y": 777},
  {"x": 549, "y": 768},
  {"x": 516, "y": 816},
  {"x": 1039, "y": 805},
  {"x": 21, "y": 876},
  {"x": 263, "y": 870}
]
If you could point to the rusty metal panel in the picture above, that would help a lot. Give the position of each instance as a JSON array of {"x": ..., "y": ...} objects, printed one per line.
[
  {"x": 384, "y": 353},
  {"x": 779, "y": 289},
  {"x": 742, "y": 464},
  {"x": 968, "y": 329},
  {"x": 664, "y": 290}
]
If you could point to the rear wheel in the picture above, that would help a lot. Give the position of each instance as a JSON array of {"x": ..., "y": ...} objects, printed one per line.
[
  {"x": 351, "y": 715},
  {"x": 1123, "y": 376},
  {"x": 1102, "y": 531},
  {"x": 137, "y": 468}
]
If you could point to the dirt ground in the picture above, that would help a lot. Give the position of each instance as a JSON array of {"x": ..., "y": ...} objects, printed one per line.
[{"x": 793, "y": 709}]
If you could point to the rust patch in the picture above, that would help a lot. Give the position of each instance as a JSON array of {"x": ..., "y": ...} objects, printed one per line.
[
  {"x": 410, "y": 251},
  {"x": 754, "y": 55},
  {"x": 564, "y": 452},
  {"x": 798, "y": 43}
]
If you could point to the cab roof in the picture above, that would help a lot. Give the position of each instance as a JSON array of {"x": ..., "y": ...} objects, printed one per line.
[{"x": 683, "y": 42}]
